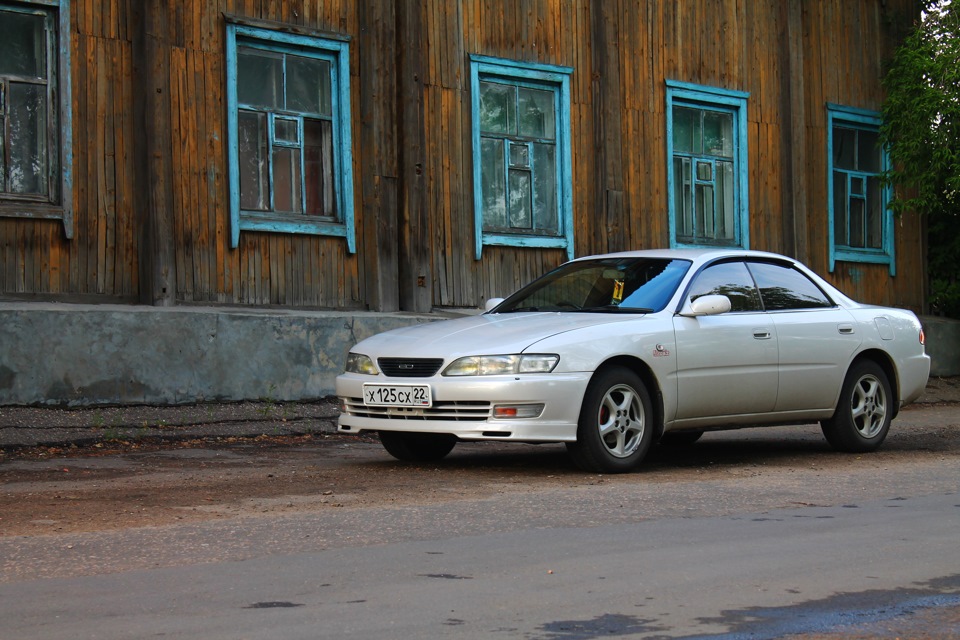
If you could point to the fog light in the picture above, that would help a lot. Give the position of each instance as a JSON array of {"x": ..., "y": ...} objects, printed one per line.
[{"x": 517, "y": 410}]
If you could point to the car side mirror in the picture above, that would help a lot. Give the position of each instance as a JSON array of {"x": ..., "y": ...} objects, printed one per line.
[
  {"x": 706, "y": 306},
  {"x": 491, "y": 303}
]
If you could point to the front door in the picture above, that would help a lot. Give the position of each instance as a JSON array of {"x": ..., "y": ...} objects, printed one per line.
[{"x": 727, "y": 363}]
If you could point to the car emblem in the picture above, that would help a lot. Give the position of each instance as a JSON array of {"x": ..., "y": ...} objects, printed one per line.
[
  {"x": 405, "y": 366},
  {"x": 661, "y": 351}
]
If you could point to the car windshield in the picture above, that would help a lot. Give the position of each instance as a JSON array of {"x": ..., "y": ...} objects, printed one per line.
[{"x": 602, "y": 285}]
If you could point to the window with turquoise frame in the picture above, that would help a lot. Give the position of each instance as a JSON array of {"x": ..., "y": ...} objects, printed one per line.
[
  {"x": 861, "y": 227},
  {"x": 707, "y": 170},
  {"x": 523, "y": 193},
  {"x": 36, "y": 156},
  {"x": 288, "y": 102}
]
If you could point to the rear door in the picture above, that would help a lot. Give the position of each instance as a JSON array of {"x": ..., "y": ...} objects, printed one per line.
[{"x": 816, "y": 337}]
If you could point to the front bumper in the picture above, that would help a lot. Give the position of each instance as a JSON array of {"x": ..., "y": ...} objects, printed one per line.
[{"x": 463, "y": 406}]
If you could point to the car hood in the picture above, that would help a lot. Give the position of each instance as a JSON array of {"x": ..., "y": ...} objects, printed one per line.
[{"x": 479, "y": 335}]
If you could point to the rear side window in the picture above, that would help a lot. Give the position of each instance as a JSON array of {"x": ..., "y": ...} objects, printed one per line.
[
  {"x": 784, "y": 288},
  {"x": 729, "y": 279}
]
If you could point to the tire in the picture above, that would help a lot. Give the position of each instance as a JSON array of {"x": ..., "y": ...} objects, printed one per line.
[
  {"x": 680, "y": 438},
  {"x": 862, "y": 418},
  {"x": 616, "y": 424},
  {"x": 417, "y": 447}
]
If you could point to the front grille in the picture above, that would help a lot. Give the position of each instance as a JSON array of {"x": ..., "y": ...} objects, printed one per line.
[
  {"x": 409, "y": 367},
  {"x": 462, "y": 411}
]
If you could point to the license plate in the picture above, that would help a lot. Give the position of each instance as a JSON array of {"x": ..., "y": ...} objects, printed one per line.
[{"x": 397, "y": 395}]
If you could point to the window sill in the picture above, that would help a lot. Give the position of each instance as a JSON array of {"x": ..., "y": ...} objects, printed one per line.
[
  {"x": 294, "y": 224},
  {"x": 36, "y": 211},
  {"x": 532, "y": 241},
  {"x": 866, "y": 256}
]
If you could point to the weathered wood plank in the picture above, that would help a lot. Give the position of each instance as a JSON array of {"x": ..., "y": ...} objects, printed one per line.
[{"x": 791, "y": 57}]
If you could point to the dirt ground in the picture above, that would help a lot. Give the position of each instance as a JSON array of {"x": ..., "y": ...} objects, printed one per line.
[
  {"x": 64, "y": 472},
  {"x": 119, "y": 482}
]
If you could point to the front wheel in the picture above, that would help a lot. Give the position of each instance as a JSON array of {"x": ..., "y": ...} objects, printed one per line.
[
  {"x": 862, "y": 419},
  {"x": 616, "y": 423},
  {"x": 417, "y": 447},
  {"x": 680, "y": 438}
]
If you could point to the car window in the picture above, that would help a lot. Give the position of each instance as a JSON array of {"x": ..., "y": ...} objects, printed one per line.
[
  {"x": 606, "y": 285},
  {"x": 783, "y": 288},
  {"x": 729, "y": 279}
]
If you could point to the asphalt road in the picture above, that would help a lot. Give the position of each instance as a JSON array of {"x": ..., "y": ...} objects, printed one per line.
[
  {"x": 752, "y": 534},
  {"x": 756, "y": 575}
]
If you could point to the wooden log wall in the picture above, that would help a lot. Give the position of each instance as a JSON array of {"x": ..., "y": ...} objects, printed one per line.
[
  {"x": 792, "y": 57},
  {"x": 412, "y": 157}
]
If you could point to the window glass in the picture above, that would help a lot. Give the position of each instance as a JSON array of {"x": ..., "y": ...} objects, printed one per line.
[
  {"x": 868, "y": 151},
  {"x": 685, "y": 130},
  {"x": 844, "y": 148},
  {"x": 536, "y": 113},
  {"x": 607, "y": 285},
  {"x": 703, "y": 171},
  {"x": 28, "y": 155},
  {"x": 494, "y": 183},
  {"x": 23, "y": 44},
  {"x": 259, "y": 78},
  {"x": 27, "y": 147},
  {"x": 519, "y": 196},
  {"x": 784, "y": 288},
  {"x": 286, "y": 179},
  {"x": 521, "y": 204},
  {"x": 254, "y": 188},
  {"x": 286, "y": 131},
  {"x": 718, "y": 134},
  {"x": 318, "y": 168},
  {"x": 278, "y": 171},
  {"x": 729, "y": 279},
  {"x": 521, "y": 143},
  {"x": 497, "y": 103},
  {"x": 857, "y": 195},
  {"x": 290, "y": 140},
  {"x": 308, "y": 85},
  {"x": 36, "y": 133},
  {"x": 545, "y": 204}
]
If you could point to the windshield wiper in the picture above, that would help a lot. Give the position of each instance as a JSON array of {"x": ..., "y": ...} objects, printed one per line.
[
  {"x": 519, "y": 310},
  {"x": 613, "y": 308}
]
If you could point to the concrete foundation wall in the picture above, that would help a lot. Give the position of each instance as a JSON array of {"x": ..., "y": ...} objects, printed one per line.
[
  {"x": 943, "y": 345},
  {"x": 78, "y": 355}
]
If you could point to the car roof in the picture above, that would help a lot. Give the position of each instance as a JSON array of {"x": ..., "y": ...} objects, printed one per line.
[{"x": 694, "y": 255}]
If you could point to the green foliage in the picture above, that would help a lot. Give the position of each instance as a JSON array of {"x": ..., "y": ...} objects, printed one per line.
[{"x": 921, "y": 131}]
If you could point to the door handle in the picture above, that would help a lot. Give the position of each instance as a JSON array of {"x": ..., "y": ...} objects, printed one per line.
[
  {"x": 761, "y": 334},
  {"x": 845, "y": 329}
]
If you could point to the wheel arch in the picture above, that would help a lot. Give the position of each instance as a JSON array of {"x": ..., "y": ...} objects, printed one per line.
[
  {"x": 883, "y": 360},
  {"x": 646, "y": 375}
]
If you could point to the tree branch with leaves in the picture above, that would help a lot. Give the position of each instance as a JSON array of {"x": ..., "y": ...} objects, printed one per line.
[{"x": 921, "y": 132}]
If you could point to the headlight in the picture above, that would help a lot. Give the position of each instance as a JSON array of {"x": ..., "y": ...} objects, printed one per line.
[
  {"x": 359, "y": 363},
  {"x": 502, "y": 365}
]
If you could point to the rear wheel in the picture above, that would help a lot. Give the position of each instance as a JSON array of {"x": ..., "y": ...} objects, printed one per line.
[
  {"x": 863, "y": 415},
  {"x": 616, "y": 423},
  {"x": 417, "y": 447}
]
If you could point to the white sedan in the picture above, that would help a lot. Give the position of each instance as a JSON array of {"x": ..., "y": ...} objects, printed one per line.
[{"x": 612, "y": 353}]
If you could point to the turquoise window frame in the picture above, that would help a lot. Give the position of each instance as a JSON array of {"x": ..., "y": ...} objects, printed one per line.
[
  {"x": 683, "y": 94},
  {"x": 59, "y": 205},
  {"x": 864, "y": 120},
  {"x": 336, "y": 50},
  {"x": 542, "y": 76}
]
